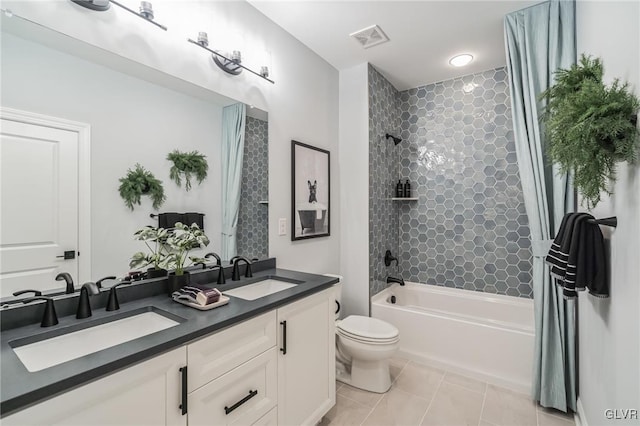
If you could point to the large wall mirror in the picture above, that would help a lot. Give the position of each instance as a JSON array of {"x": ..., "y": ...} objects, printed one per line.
[{"x": 132, "y": 120}]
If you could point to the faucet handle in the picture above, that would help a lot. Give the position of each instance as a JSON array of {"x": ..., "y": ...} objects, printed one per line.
[
  {"x": 112, "y": 303},
  {"x": 388, "y": 258},
  {"x": 21, "y": 292},
  {"x": 49, "y": 316},
  {"x": 99, "y": 282}
]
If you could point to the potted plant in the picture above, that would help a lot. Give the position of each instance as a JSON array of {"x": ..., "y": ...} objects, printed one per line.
[
  {"x": 156, "y": 241},
  {"x": 139, "y": 182},
  {"x": 590, "y": 126},
  {"x": 187, "y": 165},
  {"x": 180, "y": 241}
]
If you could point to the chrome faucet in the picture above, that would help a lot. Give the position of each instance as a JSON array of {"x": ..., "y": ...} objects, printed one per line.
[
  {"x": 235, "y": 275},
  {"x": 395, "y": 280}
]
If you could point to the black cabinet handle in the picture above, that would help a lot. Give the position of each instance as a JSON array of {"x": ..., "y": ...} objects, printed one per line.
[
  {"x": 228, "y": 410},
  {"x": 183, "y": 405},
  {"x": 283, "y": 349}
]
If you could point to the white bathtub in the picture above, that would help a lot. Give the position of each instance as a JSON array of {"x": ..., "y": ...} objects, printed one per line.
[{"x": 486, "y": 336}]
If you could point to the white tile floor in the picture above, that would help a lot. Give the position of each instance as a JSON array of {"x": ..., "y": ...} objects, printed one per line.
[{"x": 422, "y": 395}]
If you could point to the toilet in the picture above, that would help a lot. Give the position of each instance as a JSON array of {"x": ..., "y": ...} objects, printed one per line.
[{"x": 364, "y": 346}]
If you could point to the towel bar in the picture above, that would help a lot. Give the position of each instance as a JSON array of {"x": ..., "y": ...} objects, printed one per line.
[{"x": 607, "y": 221}]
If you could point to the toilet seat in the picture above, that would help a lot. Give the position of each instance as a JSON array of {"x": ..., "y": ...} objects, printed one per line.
[
  {"x": 367, "y": 329},
  {"x": 366, "y": 340}
]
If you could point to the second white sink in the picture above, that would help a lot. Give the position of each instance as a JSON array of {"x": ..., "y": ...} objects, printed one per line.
[
  {"x": 56, "y": 350},
  {"x": 259, "y": 289}
]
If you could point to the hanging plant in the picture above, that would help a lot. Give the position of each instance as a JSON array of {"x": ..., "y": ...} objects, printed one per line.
[
  {"x": 139, "y": 182},
  {"x": 187, "y": 165},
  {"x": 590, "y": 126}
]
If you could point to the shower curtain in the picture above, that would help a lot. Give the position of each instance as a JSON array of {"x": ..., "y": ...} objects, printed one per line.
[
  {"x": 539, "y": 40},
  {"x": 233, "y": 120}
]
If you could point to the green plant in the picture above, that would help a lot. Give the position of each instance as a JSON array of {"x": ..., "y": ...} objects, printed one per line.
[
  {"x": 187, "y": 164},
  {"x": 139, "y": 182},
  {"x": 156, "y": 241},
  {"x": 590, "y": 126},
  {"x": 180, "y": 241}
]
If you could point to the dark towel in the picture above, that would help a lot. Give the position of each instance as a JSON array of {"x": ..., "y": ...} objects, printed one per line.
[
  {"x": 168, "y": 220},
  {"x": 580, "y": 241},
  {"x": 191, "y": 218},
  {"x": 577, "y": 257}
]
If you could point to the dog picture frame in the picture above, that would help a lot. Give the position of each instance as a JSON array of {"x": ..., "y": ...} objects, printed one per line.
[{"x": 310, "y": 192}]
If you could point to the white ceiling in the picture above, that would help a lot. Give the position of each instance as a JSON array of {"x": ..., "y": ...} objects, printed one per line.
[{"x": 424, "y": 35}]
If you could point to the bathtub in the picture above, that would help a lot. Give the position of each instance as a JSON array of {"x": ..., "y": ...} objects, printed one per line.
[{"x": 486, "y": 336}]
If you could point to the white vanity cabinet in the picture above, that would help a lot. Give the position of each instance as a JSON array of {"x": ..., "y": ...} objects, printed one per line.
[
  {"x": 144, "y": 394},
  {"x": 306, "y": 359},
  {"x": 275, "y": 369}
]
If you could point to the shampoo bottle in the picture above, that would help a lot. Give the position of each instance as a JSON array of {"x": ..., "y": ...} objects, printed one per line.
[
  {"x": 399, "y": 190},
  {"x": 407, "y": 189}
]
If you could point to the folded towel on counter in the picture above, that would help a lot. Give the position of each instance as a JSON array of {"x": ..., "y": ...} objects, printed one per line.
[
  {"x": 197, "y": 294},
  {"x": 577, "y": 257}
]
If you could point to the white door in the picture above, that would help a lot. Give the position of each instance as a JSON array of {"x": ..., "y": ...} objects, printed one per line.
[{"x": 39, "y": 205}]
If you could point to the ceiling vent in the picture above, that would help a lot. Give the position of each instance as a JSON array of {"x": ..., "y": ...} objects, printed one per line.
[{"x": 370, "y": 36}]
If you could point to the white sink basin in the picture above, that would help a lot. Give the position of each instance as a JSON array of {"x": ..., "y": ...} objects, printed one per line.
[
  {"x": 56, "y": 350},
  {"x": 259, "y": 289}
]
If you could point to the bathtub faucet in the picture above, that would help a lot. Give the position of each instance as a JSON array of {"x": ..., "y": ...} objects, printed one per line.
[{"x": 395, "y": 280}]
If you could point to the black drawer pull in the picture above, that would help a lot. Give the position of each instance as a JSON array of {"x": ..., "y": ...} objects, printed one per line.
[
  {"x": 283, "y": 349},
  {"x": 183, "y": 405},
  {"x": 228, "y": 410}
]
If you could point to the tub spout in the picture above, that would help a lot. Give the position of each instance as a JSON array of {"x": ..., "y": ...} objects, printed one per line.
[{"x": 395, "y": 280}]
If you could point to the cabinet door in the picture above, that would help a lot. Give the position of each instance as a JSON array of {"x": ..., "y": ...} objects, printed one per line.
[
  {"x": 145, "y": 394},
  {"x": 306, "y": 372}
]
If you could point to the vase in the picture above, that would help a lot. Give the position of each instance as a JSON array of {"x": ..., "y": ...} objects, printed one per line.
[
  {"x": 156, "y": 273},
  {"x": 176, "y": 282}
]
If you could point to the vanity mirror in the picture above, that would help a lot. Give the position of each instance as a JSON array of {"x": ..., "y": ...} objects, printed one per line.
[{"x": 74, "y": 120}]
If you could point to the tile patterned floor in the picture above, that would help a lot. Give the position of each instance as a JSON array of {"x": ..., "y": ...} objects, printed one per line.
[{"x": 422, "y": 395}]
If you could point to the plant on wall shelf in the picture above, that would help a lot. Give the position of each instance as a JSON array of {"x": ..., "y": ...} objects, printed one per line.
[
  {"x": 139, "y": 182},
  {"x": 590, "y": 126},
  {"x": 187, "y": 165}
]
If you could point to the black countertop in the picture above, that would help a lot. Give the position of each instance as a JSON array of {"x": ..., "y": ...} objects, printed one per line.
[{"x": 19, "y": 388}]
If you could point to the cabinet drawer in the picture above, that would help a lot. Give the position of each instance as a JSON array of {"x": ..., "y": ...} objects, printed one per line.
[
  {"x": 214, "y": 355},
  {"x": 269, "y": 419},
  {"x": 240, "y": 397}
]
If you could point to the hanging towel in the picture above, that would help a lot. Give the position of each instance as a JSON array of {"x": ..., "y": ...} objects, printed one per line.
[
  {"x": 577, "y": 257},
  {"x": 168, "y": 220},
  {"x": 191, "y": 218}
]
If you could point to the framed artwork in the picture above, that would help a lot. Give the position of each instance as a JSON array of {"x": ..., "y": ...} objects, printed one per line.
[{"x": 310, "y": 197}]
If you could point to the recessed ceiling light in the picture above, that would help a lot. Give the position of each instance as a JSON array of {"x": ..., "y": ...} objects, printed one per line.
[{"x": 461, "y": 60}]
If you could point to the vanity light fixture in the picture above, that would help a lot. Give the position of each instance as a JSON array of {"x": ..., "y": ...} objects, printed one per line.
[
  {"x": 230, "y": 63},
  {"x": 461, "y": 60},
  {"x": 146, "y": 9}
]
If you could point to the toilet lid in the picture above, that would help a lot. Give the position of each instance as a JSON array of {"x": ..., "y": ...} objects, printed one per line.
[{"x": 368, "y": 328}]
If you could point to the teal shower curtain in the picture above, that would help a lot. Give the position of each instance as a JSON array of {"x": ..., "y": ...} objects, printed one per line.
[
  {"x": 539, "y": 40},
  {"x": 233, "y": 121}
]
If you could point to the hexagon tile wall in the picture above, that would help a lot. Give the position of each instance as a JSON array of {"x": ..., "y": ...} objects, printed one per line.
[
  {"x": 469, "y": 228},
  {"x": 253, "y": 220}
]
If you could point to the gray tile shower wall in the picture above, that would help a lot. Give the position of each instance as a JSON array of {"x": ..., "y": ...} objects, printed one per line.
[
  {"x": 253, "y": 220},
  {"x": 469, "y": 228},
  {"x": 384, "y": 117}
]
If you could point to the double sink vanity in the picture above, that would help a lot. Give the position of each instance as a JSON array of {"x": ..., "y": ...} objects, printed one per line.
[{"x": 265, "y": 358}]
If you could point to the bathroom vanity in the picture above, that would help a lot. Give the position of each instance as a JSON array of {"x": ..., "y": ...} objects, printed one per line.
[{"x": 264, "y": 361}]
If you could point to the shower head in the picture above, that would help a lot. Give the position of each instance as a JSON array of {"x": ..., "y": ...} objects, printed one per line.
[{"x": 396, "y": 140}]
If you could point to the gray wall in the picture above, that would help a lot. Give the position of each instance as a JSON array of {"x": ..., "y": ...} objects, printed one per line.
[
  {"x": 253, "y": 220},
  {"x": 469, "y": 227},
  {"x": 609, "y": 329},
  {"x": 384, "y": 117}
]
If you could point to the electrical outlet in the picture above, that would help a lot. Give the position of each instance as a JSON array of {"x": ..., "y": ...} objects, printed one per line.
[{"x": 282, "y": 226}]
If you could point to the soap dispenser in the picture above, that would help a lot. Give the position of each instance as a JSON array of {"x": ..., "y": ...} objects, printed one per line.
[
  {"x": 407, "y": 189},
  {"x": 399, "y": 189}
]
